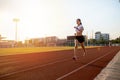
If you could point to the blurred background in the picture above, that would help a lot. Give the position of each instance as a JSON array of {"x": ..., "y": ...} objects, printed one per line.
[{"x": 38, "y": 23}]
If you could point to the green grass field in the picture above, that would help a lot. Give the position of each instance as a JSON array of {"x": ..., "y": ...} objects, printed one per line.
[{"x": 13, "y": 51}]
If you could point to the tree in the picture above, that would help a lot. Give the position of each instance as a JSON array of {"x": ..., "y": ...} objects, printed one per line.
[{"x": 117, "y": 40}]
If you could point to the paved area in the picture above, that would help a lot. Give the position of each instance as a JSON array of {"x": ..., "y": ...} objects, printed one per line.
[
  {"x": 112, "y": 70},
  {"x": 57, "y": 65}
]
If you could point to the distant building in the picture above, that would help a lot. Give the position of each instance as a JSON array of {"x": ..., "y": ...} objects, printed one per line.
[
  {"x": 6, "y": 43},
  {"x": 1, "y": 37},
  {"x": 46, "y": 41},
  {"x": 35, "y": 42},
  {"x": 97, "y": 35},
  {"x": 51, "y": 41},
  {"x": 61, "y": 42},
  {"x": 104, "y": 36},
  {"x": 9, "y": 43}
]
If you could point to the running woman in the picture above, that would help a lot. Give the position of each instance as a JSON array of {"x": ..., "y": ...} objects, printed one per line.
[{"x": 79, "y": 38}]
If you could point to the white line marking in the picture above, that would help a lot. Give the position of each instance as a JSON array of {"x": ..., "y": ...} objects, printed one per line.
[
  {"x": 82, "y": 67},
  {"x": 34, "y": 67}
]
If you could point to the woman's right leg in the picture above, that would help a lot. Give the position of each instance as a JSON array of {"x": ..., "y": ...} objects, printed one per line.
[{"x": 75, "y": 49}]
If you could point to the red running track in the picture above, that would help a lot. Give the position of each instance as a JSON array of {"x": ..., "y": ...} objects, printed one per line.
[{"x": 57, "y": 65}]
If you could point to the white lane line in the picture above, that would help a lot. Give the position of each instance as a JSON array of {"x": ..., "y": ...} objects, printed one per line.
[
  {"x": 34, "y": 67},
  {"x": 82, "y": 66}
]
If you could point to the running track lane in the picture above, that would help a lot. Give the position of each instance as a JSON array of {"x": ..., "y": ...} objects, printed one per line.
[
  {"x": 63, "y": 66},
  {"x": 88, "y": 70}
]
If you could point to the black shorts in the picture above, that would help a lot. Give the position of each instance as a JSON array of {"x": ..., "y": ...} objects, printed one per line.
[{"x": 80, "y": 39}]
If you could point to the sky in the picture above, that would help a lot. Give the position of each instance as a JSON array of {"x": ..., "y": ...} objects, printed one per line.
[{"x": 42, "y": 18}]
